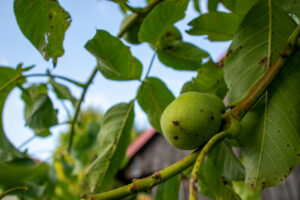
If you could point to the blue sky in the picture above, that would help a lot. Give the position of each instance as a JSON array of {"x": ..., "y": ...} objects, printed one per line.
[{"x": 87, "y": 17}]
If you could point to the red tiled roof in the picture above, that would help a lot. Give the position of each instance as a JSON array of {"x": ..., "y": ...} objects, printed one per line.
[{"x": 136, "y": 145}]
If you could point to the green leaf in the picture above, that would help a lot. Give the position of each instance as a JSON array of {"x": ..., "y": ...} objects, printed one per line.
[
  {"x": 44, "y": 23},
  {"x": 181, "y": 55},
  {"x": 114, "y": 58},
  {"x": 18, "y": 172},
  {"x": 213, "y": 185},
  {"x": 240, "y": 7},
  {"x": 39, "y": 112},
  {"x": 113, "y": 139},
  {"x": 256, "y": 44},
  {"x": 291, "y": 6},
  {"x": 153, "y": 97},
  {"x": 218, "y": 26},
  {"x": 270, "y": 137},
  {"x": 161, "y": 19},
  {"x": 212, "y": 5},
  {"x": 245, "y": 192},
  {"x": 169, "y": 189},
  {"x": 197, "y": 5},
  {"x": 62, "y": 92},
  {"x": 208, "y": 80},
  {"x": 225, "y": 161},
  {"x": 8, "y": 78},
  {"x": 131, "y": 36}
]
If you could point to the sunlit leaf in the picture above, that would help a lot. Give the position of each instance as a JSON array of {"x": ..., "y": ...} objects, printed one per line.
[
  {"x": 113, "y": 139},
  {"x": 218, "y": 26},
  {"x": 44, "y": 23},
  {"x": 114, "y": 58},
  {"x": 154, "y": 96},
  {"x": 208, "y": 80},
  {"x": 161, "y": 19}
]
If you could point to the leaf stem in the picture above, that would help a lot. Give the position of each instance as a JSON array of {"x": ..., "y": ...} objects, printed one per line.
[
  {"x": 260, "y": 87},
  {"x": 56, "y": 76},
  {"x": 233, "y": 129},
  {"x": 136, "y": 17},
  {"x": 74, "y": 121},
  {"x": 150, "y": 65},
  {"x": 27, "y": 141},
  {"x": 148, "y": 182},
  {"x": 6, "y": 192}
]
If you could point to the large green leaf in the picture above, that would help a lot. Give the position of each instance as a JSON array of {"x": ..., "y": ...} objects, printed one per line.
[
  {"x": 245, "y": 192},
  {"x": 8, "y": 78},
  {"x": 44, "y": 23},
  {"x": 225, "y": 161},
  {"x": 113, "y": 139},
  {"x": 181, "y": 55},
  {"x": 218, "y": 26},
  {"x": 169, "y": 189},
  {"x": 154, "y": 96},
  {"x": 208, "y": 80},
  {"x": 270, "y": 131},
  {"x": 261, "y": 36},
  {"x": 213, "y": 185},
  {"x": 270, "y": 137},
  {"x": 161, "y": 19},
  {"x": 114, "y": 58},
  {"x": 291, "y": 6},
  {"x": 39, "y": 112}
]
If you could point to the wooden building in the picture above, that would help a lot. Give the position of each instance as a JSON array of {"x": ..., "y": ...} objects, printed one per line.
[{"x": 151, "y": 152}]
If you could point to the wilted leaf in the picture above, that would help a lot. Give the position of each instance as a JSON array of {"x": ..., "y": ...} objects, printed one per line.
[
  {"x": 114, "y": 58},
  {"x": 161, "y": 19},
  {"x": 208, "y": 80},
  {"x": 44, "y": 23},
  {"x": 153, "y": 97},
  {"x": 113, "y": 139},
  {"x": 218, "y": 26}
]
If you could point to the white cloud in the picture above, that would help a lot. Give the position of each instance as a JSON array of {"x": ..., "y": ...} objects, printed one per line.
[{"x": 4, "y": 61}]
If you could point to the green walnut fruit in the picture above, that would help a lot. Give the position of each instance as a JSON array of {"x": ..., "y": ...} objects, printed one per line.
[{"x": 192, "y": 119}]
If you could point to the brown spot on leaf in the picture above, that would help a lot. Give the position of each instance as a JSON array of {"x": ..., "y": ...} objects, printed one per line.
[
  {"x": 170, "y": 47},
  {"x": 201, "y": 110},
  {"x": 175, "y": 137},
  {"x": 240, "y": 47},
  {"x": 212, "y": 118},
  {"x": 278, "y": 131},
  {"x": 298, "y": 154},
  {"x": 229, "y": 52},
  {"x": 175, "y": 122},
  {"x": 50, "y": 16},
  {"x": 264, "y": 61},
  {"x": 168, "y": 34},
  {"x": 285, "y": 176},
  {"x": 287, "y": 145}
]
